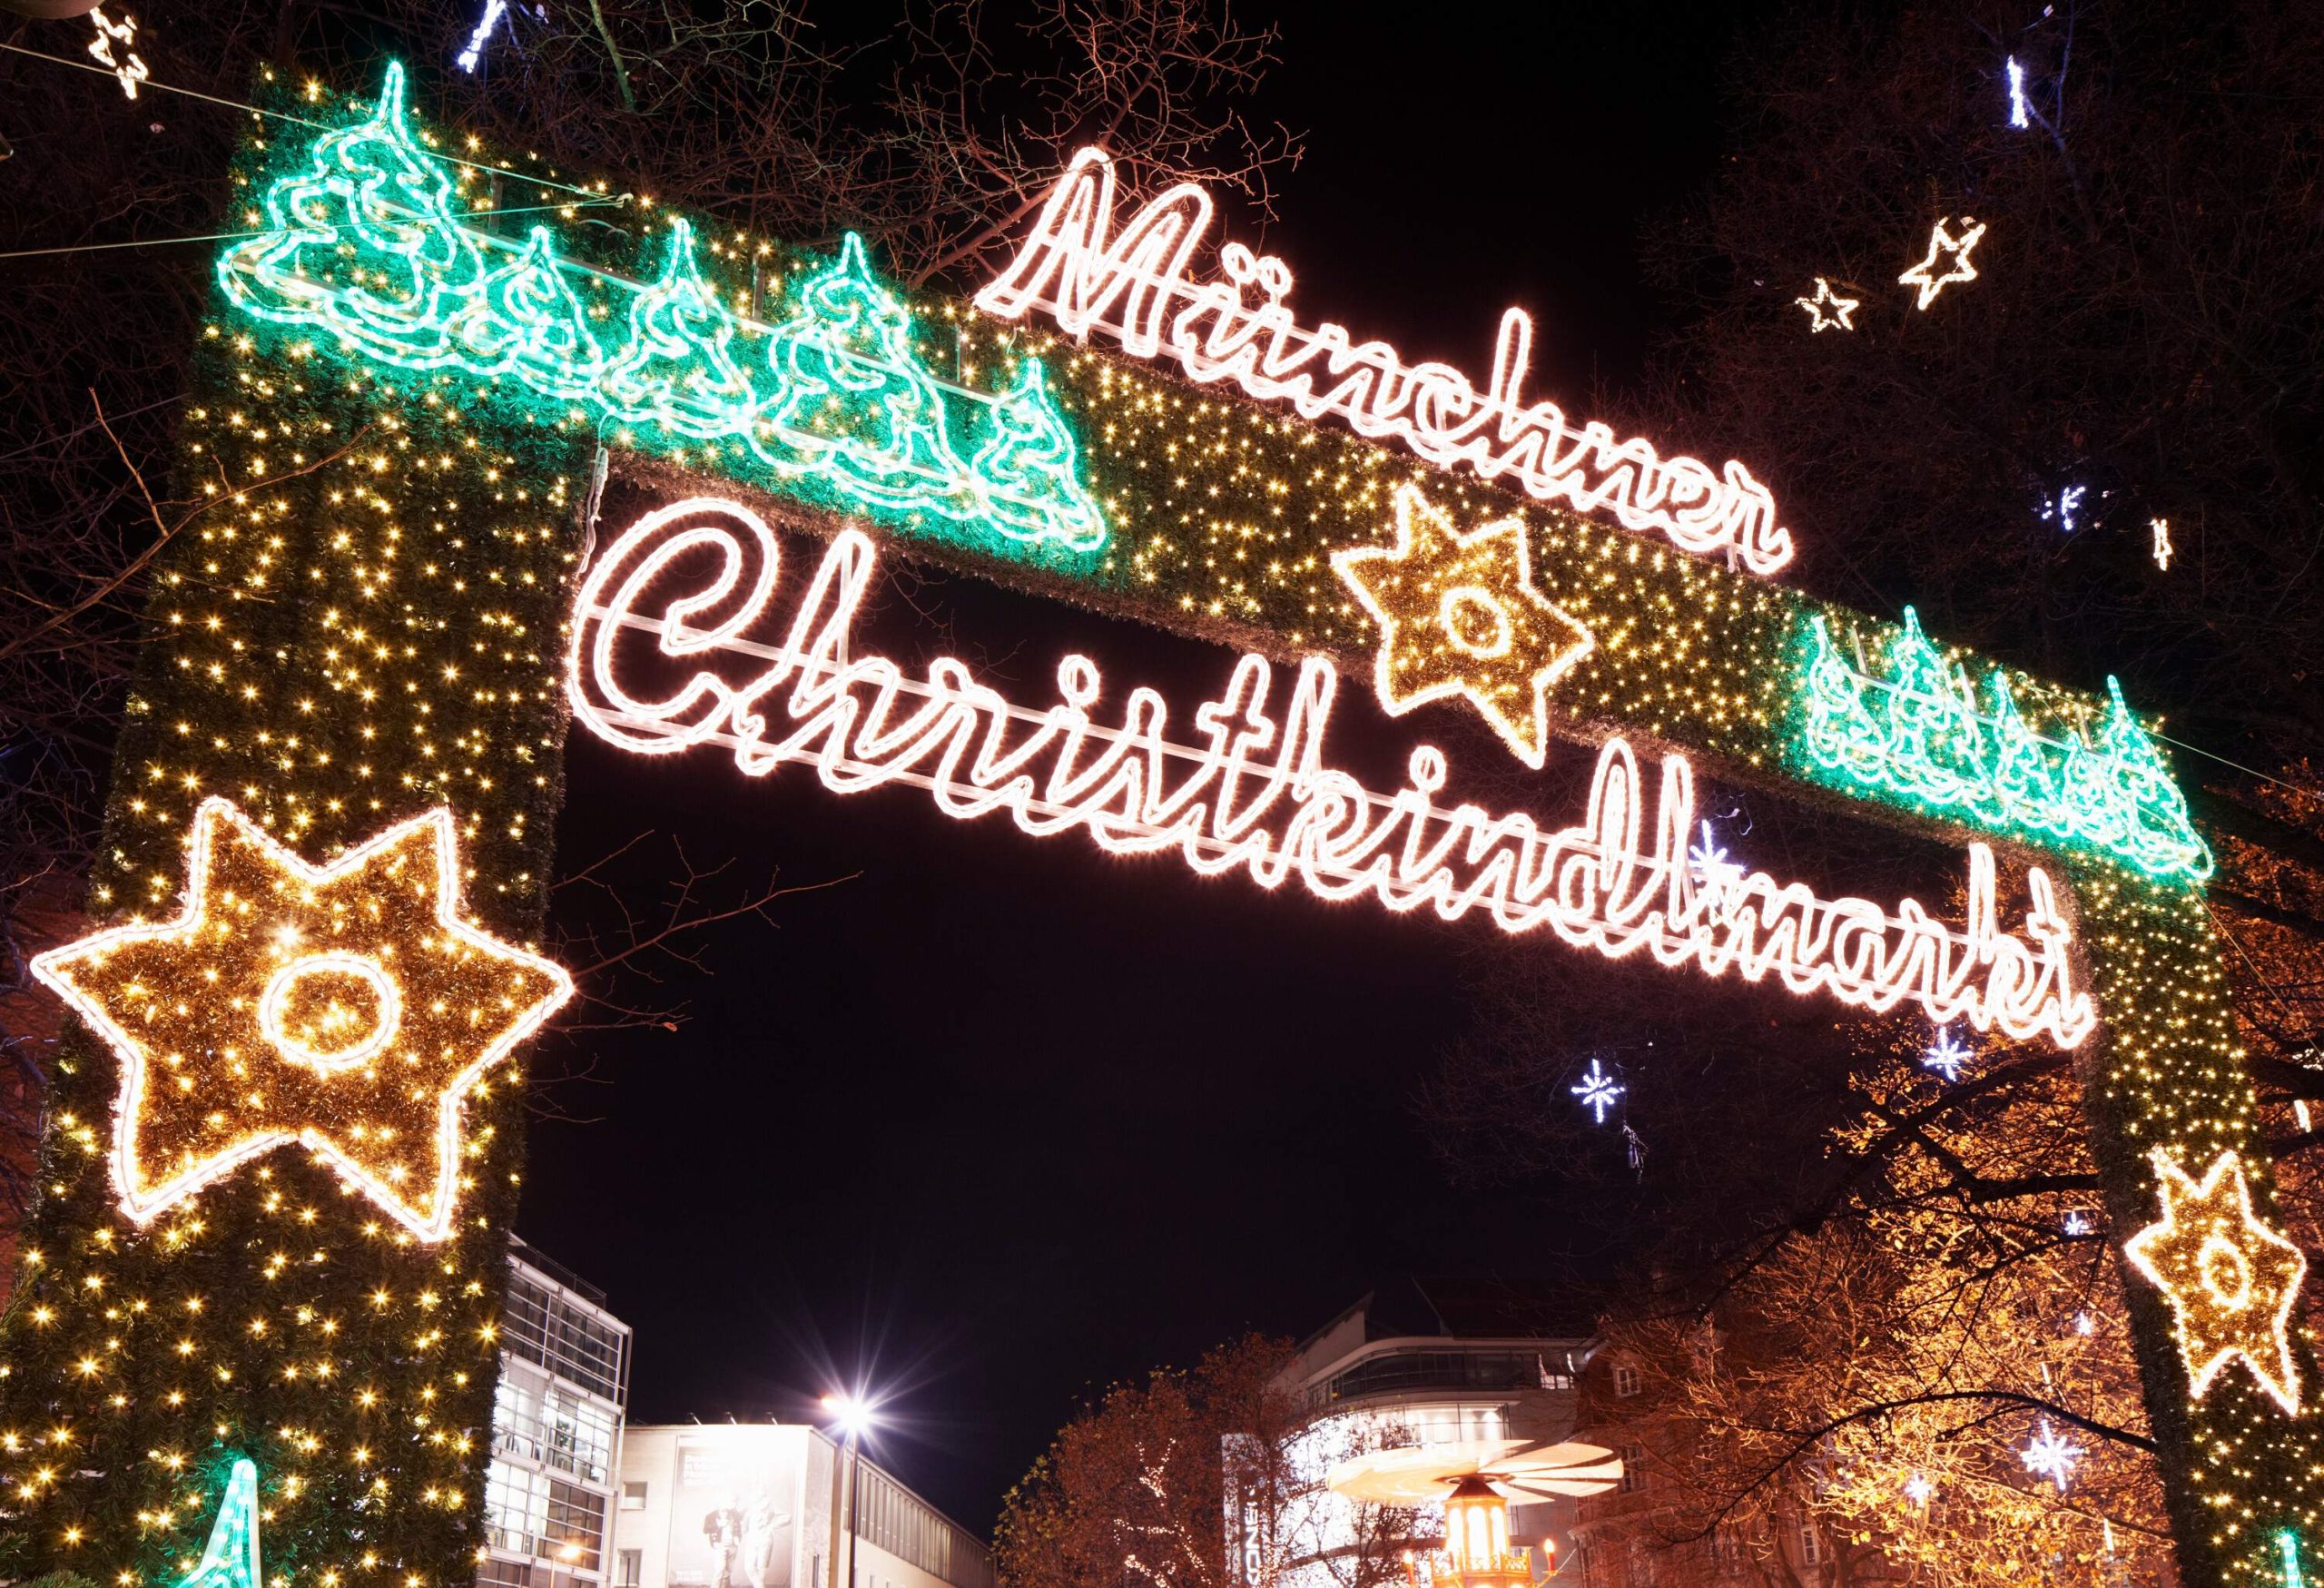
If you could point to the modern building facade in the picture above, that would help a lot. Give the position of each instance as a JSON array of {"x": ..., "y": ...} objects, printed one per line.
[
  {"x": 556, "y": 1431},
  {"x": 1420, "y": 1363},
  {"x": 765, "y": 1505}
]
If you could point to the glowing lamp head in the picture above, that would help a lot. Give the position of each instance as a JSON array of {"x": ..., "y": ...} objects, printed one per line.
[{"x": 849, "y": 1414}]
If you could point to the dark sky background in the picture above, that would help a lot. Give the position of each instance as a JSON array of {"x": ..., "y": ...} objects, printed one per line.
[{"x": 996, "y": 1122}]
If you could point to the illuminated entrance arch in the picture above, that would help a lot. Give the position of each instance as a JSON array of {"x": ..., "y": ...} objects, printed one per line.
[{"x": 402, "y": 594}]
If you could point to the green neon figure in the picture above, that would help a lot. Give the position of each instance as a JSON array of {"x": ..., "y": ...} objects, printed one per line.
[
  {"x": 857, "y": 407},
  {"x": 230, "y": 1558},
  {"x": 2156, "y": 831},
  {"x": 2288, "y": 1543},
  {"x": 1841, "y": 730},
  {"x": 2092, "y": 803},
  {"x": 1937, "y": 748},
  {"x": 2022, "y": 792},
  {"x": 1029, "y": 472},
  {"x": 525, "y": 321},
  {"x": 678, "y": 370},
  {"x": 1927, "y": 744},
  {"x": 365, "y": 243}
]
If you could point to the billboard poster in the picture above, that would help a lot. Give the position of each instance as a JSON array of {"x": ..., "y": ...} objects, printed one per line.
[{"x": 733, "y": 1521}]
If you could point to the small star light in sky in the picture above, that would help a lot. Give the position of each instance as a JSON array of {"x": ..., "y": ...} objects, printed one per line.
[
  {"x": 1825, "y": 297},
  {"x": 1597, "y": 1089},
  {"x": 1946, "y": 1055},
  {"x": 127, "y": 67},
  {"x": 2052, "y": 1455},
  {"x": 1943, "y": 243}
]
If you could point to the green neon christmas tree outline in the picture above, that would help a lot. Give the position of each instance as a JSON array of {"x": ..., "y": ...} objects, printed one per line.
[
  {"x": 525, "y": 321},
  {"x": 851, "y": 406},
  {"x": 2090, "y": 799},
  {"x": 1928, "y": 745},
  {"x": 414, "y": 267},
  {"x": 1030, "y": 469},
  {"x": 678, "y": 372},
  {"x": 1841, "y": 729},
  {"x": 230, "y": 1559},
  {"x": 856, "y": 407},
  {"x": 2022, "y": 790},
  {"x": 1936, "y": 746},
  {"x": 2157, "y": 832}
]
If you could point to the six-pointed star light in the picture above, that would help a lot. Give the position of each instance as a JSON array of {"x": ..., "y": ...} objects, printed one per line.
[
  {"x": 1826, "y": 297},
  {"x": 345, "y": 1006},
  {"x": 1461, "y": 615},
  {"x": 2231, "y": 1281},
  {"x": 1943, "y": 243}
]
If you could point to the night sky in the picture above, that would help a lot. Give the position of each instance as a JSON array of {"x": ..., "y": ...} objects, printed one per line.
[{"x": 996, "y": 1122}]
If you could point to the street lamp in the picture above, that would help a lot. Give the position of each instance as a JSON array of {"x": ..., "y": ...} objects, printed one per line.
[{"x": 852, "y": 1415}]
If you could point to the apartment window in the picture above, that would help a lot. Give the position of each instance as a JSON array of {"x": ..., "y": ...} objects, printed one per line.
[
  {"x": 1625, "y": 1379},
  {"x": 1811, "y": 1545},
  {"x": 1633, "y": 1468},
  {"x": 633, "y": 1496},
  {"x": 631, "y": 1567}
]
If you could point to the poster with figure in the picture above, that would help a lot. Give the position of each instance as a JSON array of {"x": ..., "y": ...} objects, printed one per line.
[{"x": 733, "y": 1521}]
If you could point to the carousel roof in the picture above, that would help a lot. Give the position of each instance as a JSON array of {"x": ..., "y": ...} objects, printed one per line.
[{"x": 1519, "y": 1471}]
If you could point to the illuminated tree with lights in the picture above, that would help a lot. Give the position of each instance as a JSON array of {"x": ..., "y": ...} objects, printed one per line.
[
  {"x": 1934, "y": 741},
  {"x": 854, "y": 402},
  {"x": 2025, "y": 786},
  {"x": 525, "y": 321},
  {"x": 1029, "y": 469},
  {"x": 373, "y": 185},
  {"x": 1837, "y": 714},
  {"x": 1874, "y": 1376},
  {"x": 678, "y": 370},
  {"x": 1134, "y": 1490}
]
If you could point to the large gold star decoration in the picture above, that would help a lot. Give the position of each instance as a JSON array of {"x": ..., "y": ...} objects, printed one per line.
[
  {"x": 1944, "y": 244},
  {"x": 1460, "y": 615},
  {"x": 347, "y": 1007},
  {"x": 2231, "y": 1281}
]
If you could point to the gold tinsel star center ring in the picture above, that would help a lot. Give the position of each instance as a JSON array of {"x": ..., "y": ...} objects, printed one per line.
[
  {"x": 347, "y": 1007},
  {"x": 1460, "y": 616}
]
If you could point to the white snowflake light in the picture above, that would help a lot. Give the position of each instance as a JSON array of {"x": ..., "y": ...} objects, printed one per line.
[
  {"x": 1708, "y": 860},
  {"x": 2052, "y": 1455},
  {"x": 1946, "y": 1055},
  {"x": 2077, "y": 1222},
  {"x": 2061, "y": 511},
  {"x": 1917, "y": 1489},
  {"x": 469, "y": 57},
  {"x": 1597, "y": 1089}
]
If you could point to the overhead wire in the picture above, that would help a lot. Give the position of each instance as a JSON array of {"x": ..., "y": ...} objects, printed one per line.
[
  {"x": 259, "y": 109},
  {"x": 599, "y": 202}
]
